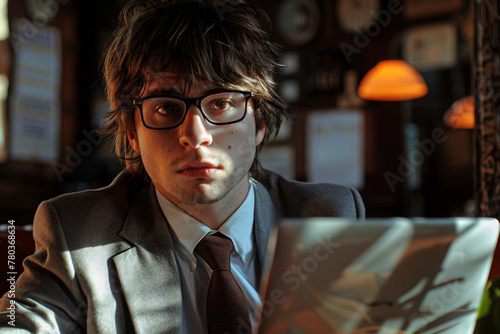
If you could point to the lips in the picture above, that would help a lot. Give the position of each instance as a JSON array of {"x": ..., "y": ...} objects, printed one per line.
[{"x": 199, "y": 170}]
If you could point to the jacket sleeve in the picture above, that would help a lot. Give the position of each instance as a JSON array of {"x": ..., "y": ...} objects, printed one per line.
[{"x": 47, "y": 297}]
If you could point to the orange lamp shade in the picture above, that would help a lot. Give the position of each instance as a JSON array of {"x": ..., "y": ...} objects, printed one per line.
[
  {"x": 392, "y": 80},
  {"x": 461, "y": 114}
]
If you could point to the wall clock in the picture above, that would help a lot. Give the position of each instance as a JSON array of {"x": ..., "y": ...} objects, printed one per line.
[{"x": 298, "y": 21}]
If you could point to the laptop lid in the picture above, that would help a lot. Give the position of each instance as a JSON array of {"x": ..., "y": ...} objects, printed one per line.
[{"x": 334, "y": 275}]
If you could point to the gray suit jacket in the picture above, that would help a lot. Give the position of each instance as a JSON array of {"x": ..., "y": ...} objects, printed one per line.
[{"x": 104, "y": 261}]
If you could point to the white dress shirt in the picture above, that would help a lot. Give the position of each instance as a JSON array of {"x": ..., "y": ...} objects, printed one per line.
[{"x": 195, "y": 272}]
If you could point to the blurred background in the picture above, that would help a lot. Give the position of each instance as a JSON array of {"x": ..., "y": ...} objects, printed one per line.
[{"x": 407, "y": 156}]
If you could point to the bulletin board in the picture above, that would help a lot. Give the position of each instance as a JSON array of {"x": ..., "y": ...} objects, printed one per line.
[{"x": 35, "y": 98}]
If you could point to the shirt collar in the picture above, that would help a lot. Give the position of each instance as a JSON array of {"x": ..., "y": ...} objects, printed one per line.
[{"x": 189, "y": 231}]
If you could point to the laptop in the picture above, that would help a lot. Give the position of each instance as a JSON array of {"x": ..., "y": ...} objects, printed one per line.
[{"x": 335, "y": 275}]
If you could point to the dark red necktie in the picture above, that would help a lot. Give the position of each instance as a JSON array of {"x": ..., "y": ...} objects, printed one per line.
[{"x": 227, "y": 310}]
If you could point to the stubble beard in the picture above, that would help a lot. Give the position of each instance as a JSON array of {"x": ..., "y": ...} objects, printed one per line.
[{"x": 209, "y": 193}]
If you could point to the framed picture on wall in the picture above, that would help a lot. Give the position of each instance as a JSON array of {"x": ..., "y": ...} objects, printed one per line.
[
  {"x": 431, "y": 46},
  {"x": 335, "y": 147},
  {"x": 422, "y": 9}
]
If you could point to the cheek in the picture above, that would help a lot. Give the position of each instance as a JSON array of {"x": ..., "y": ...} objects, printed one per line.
[
  {"x": 153, "y": 144},
  {"x": 242, "y": 143}
]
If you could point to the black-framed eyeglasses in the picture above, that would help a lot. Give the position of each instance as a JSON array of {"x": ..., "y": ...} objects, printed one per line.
[{"x": 167, "y": 112}]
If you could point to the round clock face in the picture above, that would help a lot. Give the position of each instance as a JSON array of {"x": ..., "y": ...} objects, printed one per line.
[
  {"x": 355, "y": 14},
  {"x": 298, "y": 21},
  {"x": 41, "y": 12}
]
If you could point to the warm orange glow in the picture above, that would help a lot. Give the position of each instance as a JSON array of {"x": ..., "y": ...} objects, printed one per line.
[
  {"x": 461, "y": 114},
  {"x": 392, "y": 80}
]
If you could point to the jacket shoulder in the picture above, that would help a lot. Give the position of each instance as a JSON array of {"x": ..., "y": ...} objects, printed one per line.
[
  {"x": 89, "y": 211},
  {"x": 304, "y": 199}
]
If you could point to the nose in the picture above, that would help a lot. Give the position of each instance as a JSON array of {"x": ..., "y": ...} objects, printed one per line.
[{"x": 193, "y": 132}]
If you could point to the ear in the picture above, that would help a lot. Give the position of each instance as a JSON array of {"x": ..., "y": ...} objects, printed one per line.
[
  {"x": 132, "y": 138},
  {"x": 260, "y": 134}
]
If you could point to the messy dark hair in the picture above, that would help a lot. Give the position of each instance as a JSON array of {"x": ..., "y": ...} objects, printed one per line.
[{"x": 225, "y": 42}]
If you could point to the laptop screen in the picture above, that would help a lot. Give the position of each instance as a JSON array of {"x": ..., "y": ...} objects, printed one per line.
[{"x": 334, "y": 275}]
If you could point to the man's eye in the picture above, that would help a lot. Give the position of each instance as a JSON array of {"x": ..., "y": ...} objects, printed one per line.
[
  {"x": 167, "y": 109},
  {"x": 221, "y": 105}
]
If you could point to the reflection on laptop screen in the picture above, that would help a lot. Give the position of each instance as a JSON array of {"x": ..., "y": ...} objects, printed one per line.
[{"x": 334, "y": 275}]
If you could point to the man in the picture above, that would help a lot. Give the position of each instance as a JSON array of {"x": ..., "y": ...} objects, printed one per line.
[{"x": 193, "y": 96}]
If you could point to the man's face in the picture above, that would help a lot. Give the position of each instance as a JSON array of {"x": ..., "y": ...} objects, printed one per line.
[{"x": 196, "y": 162}]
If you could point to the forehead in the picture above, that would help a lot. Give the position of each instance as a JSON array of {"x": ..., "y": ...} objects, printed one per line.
[{"x": 172, "y": 81}]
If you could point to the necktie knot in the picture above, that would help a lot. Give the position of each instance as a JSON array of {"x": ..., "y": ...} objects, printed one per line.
[{"x": 216, "y": 250}]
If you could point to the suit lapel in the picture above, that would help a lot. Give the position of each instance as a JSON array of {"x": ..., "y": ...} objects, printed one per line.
[
  {"x": 266, "y": 216},
  {"x": 148, "y": 270}
]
